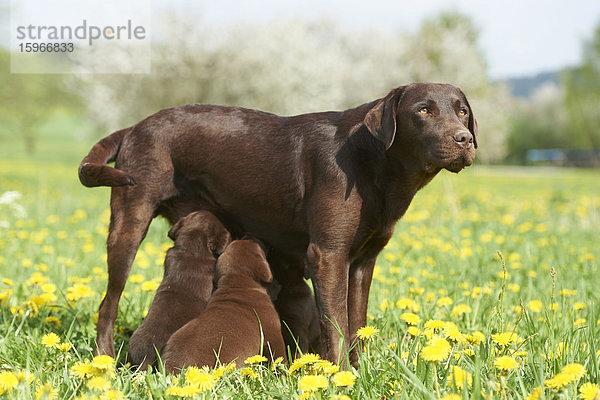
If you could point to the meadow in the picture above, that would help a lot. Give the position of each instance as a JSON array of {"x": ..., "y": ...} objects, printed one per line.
[{"x": 488, "y": 290}]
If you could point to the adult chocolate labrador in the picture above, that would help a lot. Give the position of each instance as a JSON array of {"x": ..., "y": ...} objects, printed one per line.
[{"x": 323, "y": 190}]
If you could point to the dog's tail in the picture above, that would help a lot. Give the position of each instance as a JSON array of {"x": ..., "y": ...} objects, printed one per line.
[{"x": 93, "y": 170}]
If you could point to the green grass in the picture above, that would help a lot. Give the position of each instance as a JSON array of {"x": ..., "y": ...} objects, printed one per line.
[{"x": 491, "y": 250}]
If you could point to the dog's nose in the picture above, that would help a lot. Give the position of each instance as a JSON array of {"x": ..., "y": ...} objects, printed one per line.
[{"x": 463, "y": 138}]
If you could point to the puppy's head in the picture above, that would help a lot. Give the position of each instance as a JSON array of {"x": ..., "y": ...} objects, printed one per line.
[
  {"x": 245, "y": 257},
  {"x": 199, "y": 232}
]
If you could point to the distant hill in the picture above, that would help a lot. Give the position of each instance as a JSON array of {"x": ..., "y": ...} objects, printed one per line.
[{"x": 524, "y": 86}]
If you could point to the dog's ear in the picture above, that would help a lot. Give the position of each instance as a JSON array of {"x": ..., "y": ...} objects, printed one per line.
[
  {"x": 262, "y": 270},
  {"x": 381, "y": 119},
  {"x": 472, "y": 125},
  {"x": 218, "y": 241},
  {"x": 174, "y": 231}
]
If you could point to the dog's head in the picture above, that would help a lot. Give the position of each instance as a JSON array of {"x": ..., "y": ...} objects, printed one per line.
[
  {"x": 200, "y": 231},
  {"x": 430, "y": 124},
  {"x": 245, "y": 257}
]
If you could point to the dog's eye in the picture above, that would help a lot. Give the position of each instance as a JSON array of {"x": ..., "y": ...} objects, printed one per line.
[
  {"x": 424, "y": 110},
  {"x": 463, "y": 112}
]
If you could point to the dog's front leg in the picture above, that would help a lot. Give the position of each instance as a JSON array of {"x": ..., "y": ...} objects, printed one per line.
[
  {"x": 358, "y": 296},
  {"x": 328, "y": 269},
  {"x": 359, "y": 285}
]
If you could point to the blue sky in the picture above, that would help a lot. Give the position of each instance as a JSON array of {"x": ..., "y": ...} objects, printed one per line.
[{"x": 518, "y": 37}]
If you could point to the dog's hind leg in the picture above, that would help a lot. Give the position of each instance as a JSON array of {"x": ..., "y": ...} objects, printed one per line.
[{"x": 132, "y": 211}]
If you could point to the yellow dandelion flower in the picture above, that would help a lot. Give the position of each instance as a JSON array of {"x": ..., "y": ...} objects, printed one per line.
[
  {"x": 460, "y": 309},
  {"x": 217, "y": 373},
  {"x": 181, "y": 391},
  {"x": 82, "y": 370},
  {"x": 51, "y": 340},
  {"x": 200, "y": 378},
  {"x": 460, "y": 376},
  {"x": 308, "y": 358},
  {"x": 255, "y": 359},
  {"x": 507, "y": 219},
  {"x": 79, "y": 291},
  {"x": 444, "y": 301},
  {"x": 190, "y": 390},
  {"x": 407, "y": 304},
  {"x": 589, "y": 391},
  {"x": 114, "y": 394},
  {"x": 580, "y": 322},
  {"x": 413, "y": 331},
  {"x": 568, "y": 292},
  {"x": 575, "y": 370},
  {"x": 8, "y": 281},
  {"x": 51, "y": 320},
  {"x": 367, "y": 332},
  {"x": 103, "y": 363},
  {"x": 99, "y": 383},
  {"x": 504, "y": 338},
  {"x": 46, "y": 391},
  {"x": 437, "y": 349},
  {"x": 505, "y": 363},
  {"x": 435, "y": 325},
  {"x": 249, "y": 372},
  {"x": 384, "y": 305},
  {"x": 558, "y": 381},
  {"x": 25, "y": 376},
  {"x": 341, "y": 397},
  {"x": 8, "y": 382},
  {"x": 451, "y": 396},
  {"x": 535, "y": 306},
  {"x": 411, "y": 318},
  {"x": 64, "y": 347},
  {"x": 535, "y": 394},
  {"x": 312, "y": 383},
  {"x": 305, "y": 359},
  {"x": 277, "y": 361},
  {"x": 295, "y": 367},
  {"x": 476, "y": 338},
  {"x": 453, "y": 334},
  {"x": 326, "y": 367},
  {"x": 5, "y": 295},
  {"x": 150, "y": 286},
  {"x": 344, "y": 378}
]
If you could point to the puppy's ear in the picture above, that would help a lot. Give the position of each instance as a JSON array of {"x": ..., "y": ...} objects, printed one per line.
[
  {"x": 262, "y": 271},
  {"x": 219, "y": 241},
  {"x": 381, "y": 119},
  {"x": 174, "y": 231},
  {"x": 260, "y": 265},
  {"x": 472, "y": 125}
]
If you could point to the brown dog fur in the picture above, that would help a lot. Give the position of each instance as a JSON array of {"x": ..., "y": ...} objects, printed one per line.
[
  {"x": 236, "y": 315},
  {"x": 186, "y": 286},
  {"x": 322, "y": 190},
  {"x": 298, "y": 312}
]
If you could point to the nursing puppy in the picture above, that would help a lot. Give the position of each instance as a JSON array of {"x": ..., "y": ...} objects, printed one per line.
[
  {"x": 239, "y": 321},
  {"x": 295, "y": 303},
  {"x": 186, "y": 286}
]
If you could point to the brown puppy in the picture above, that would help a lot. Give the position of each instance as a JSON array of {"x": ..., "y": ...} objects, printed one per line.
[
  {"x": 298, "y": 312},
  {"x": 186, "y": 286},
  {"x": 324, "y": 190},
  {"x": 239, "y": 321}
]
